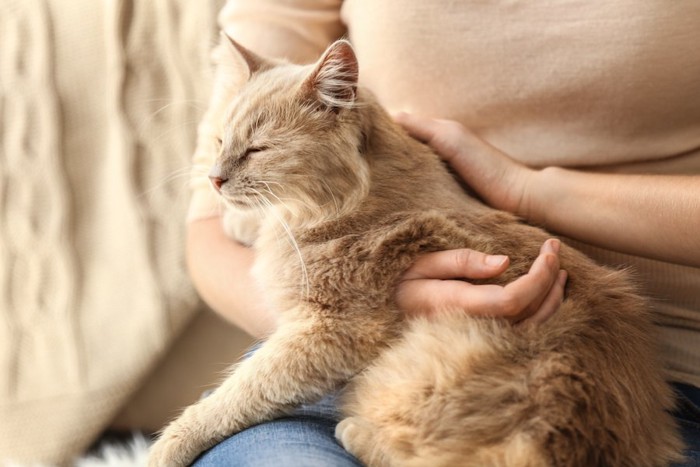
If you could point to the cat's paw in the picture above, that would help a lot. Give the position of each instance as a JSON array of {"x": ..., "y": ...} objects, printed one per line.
[
  {"x": 358, "y": 438},
  {"x": 168, "y": 452},
  {"x": 180, "y": 444}
]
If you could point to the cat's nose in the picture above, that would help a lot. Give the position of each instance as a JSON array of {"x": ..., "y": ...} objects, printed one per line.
[
  {"x": 216, "y": 177},
  {"x": 217, "y": 182}
]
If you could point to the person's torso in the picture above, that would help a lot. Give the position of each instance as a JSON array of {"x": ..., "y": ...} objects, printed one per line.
[
  {"x": 578, "y": 82},
  {"x": 611, "y": 86}
]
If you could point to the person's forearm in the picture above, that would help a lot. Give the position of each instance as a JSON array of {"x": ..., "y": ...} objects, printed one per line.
[
  {"x": 220, "y": 270},
  {"x": 655, "y": 216}
]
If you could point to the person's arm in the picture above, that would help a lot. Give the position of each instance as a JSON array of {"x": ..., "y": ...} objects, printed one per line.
[
  {"x": 654, "y": 216},
  {"x": 220, "y": 271}
]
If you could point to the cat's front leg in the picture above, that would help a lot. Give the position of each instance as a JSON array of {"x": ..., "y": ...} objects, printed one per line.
[
  {"x": 177, "y": 444},
  {"x": 300, "y": 363}
]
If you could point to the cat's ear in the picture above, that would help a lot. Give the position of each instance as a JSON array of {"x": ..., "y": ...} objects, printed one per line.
[
  {"x": 333, "y": 83},
  {"x": 236, "y": 51}
]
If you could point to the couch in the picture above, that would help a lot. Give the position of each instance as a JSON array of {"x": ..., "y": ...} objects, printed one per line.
[{"x": 99, "y": 103}]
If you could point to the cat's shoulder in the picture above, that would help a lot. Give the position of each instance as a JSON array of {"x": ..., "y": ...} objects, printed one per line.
[{"x": 363, "y": 236}]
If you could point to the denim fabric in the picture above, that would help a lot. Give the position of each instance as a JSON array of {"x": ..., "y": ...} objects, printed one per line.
[
  {"x": 304, "y": 439},
  {"x": 687, "y": 415}
]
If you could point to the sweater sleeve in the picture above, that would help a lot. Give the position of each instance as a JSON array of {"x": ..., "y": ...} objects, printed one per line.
[{"x": 298, "y": 30}]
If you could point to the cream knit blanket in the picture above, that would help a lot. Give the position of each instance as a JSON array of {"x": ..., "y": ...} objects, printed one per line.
[{"x": 98, "y": 109}]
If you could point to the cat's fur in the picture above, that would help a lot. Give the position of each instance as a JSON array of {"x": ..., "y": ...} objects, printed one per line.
[{"x": 363, "y": 200}]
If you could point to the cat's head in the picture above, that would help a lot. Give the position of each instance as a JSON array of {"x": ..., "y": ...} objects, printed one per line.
[{"x": 291, "y": 138}]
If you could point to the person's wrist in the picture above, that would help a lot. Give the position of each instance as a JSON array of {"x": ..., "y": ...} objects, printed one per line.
[
  {"x": 540, "y": 194},
  {"x": 517, "y": 199}
]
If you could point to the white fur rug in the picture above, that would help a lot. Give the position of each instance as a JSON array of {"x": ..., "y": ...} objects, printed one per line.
[{"x": 132, "y": 454}]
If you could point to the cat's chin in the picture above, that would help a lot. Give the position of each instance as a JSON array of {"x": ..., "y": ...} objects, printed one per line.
[
  {"x": 241, "y": 203},
  {"x": 241, "y": 224}
]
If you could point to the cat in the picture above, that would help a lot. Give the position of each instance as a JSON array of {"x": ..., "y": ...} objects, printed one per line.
[{"x": 348, "y": 201}]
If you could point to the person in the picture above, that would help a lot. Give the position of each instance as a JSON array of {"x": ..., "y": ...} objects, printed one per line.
[{"x": 581, "y": 117}]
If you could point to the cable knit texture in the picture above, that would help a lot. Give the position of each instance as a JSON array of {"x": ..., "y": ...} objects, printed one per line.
[{"x": 98, "y": 109}]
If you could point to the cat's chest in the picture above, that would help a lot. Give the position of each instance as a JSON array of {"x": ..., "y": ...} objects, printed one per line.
[
  {"x": 280, "y": 267},
  {"x": 332, "y": 271}
]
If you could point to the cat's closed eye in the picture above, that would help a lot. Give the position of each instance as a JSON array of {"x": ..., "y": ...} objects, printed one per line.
[{"x": 252, "y": 150}]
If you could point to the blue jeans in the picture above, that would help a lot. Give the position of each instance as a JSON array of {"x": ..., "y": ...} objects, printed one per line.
[
  {"x": 687, "y": 416},
  {"x": 306, "y": 438}
]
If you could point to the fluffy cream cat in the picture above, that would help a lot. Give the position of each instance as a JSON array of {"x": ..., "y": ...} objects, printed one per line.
[{"x": 348, "y": 201}]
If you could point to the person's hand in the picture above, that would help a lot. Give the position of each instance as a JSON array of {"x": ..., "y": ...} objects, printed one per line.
[
  {"x": 500, "y": 181},
  {"x": 432, "y": 285}
]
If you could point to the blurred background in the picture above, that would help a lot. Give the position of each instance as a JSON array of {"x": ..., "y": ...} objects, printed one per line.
[{"x": 100, "y": 329}]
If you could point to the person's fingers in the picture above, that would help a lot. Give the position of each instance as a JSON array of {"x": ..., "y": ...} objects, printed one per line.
[
  {"x": 421, "y": 128},
  {"x": 456, "y": 264},
  {"x": 420, "y": 297},
  {"x": 523, "y": 297},
  {"x": 534, "y": 294},
  {"x": 445, "y": 137},
  {"x": 426, "y": 297},
  {"x": 551, "y": 303}
]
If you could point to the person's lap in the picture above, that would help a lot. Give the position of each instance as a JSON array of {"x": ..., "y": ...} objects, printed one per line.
[
  {"x": 687, "y": 415},
  {"x": 306, "y": 438}
]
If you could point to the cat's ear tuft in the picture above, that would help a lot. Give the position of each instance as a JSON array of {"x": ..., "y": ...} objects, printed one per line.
[
  {"x": 253, "y": 62},
  {"x": 333, "y": 83}
]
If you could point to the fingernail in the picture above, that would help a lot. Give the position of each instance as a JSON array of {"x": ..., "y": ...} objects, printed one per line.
[
  {"x": 553, "y": 245},
  {"x": 495, "y": 260}
]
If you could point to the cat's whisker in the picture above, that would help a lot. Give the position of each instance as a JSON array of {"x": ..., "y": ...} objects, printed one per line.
[
  {"x": 282, "y": 199},
  {"x": 265, "y": 209},
  {"x": 298, "y": 201},
  {"x": 199, "y": 104},
  {"x": 278, "y": 237},
  {"x": 293, "y": 241},
  {"x": 279, "y": 199},
  {"x": 169, "y": 131},
  {"x": 268, "y": 183},
  {"x": 181, "y": 173},
  {"x": 193, "y": 103},
  {"x": 330, "y": 192},
  {"x": 268, "y": 206},
  {"x": 261, "y": 210}
]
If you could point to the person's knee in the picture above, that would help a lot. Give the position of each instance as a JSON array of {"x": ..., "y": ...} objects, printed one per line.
[{"x": 290, "y": 442}]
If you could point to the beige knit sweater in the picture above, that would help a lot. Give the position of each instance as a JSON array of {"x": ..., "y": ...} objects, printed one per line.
[
  {"x": 99, "y": 102},
  {"x": 597, "y": 84}
]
